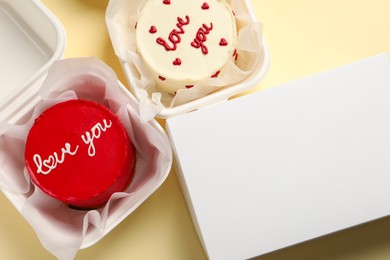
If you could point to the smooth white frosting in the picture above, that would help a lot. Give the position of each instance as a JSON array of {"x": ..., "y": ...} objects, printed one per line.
[{"x": 203, "y": 39}]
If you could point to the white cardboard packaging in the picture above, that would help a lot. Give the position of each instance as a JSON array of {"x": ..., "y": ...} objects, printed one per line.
[
  {"x": 34, "y": 40},
  {"x": 288, "y": 164}
]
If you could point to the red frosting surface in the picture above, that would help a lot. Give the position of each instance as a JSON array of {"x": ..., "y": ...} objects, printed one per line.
[{"x": 79, "y": 152}]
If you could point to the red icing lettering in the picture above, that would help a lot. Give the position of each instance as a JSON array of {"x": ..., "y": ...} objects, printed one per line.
[
  {"x": 177, "y": 62},
  {"x": 201, "y": 37},
  {"x": 167, "y": 2},
  {"x": 205, "y": 6},
  {"x": 152, "y": 29},
  {"x": 223, "y": 42},
  {"x": 161, "y": 78},
  {"x": 174, "y": 36},
  {"x": 189, "y": 86}
]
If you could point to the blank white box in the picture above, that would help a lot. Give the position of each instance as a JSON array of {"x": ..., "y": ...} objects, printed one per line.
[{"x": 288, "y": 164}]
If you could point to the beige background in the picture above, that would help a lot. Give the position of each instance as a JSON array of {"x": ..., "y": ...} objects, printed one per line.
[{"x": 304, "y": 37}]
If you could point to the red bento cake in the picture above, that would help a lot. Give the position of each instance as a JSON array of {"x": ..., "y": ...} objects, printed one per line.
[{"x": 79, "y": 152}]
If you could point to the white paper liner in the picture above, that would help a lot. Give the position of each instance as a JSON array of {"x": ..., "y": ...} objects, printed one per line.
[
  {"x": 60, "y": 228},
  {"x": 121, "y": 17}
]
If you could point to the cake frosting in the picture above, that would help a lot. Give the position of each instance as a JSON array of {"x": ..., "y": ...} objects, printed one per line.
[
  {"x": 184, "y": 42},
  {"x": 79, "y": 152}
]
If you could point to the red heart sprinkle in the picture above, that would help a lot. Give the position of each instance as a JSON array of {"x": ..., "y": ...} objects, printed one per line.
[
  {"x": 161, "y": 78},
  {"x": 216, "y": 74},
  {"x": 223, "y": 42},
  {"x": 152, "y": 29},
  {"x": 205, "y": 6},
  {"x": 167, "y": 2},
  {"x": 177, "y": 62}
]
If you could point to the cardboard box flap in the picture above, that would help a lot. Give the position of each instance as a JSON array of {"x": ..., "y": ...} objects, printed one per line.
[{"x": 32, "y": 39}]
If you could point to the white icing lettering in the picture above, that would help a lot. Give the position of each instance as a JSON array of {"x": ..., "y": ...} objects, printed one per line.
[
  {"x": 47, "y": 165},
  {"x": 95, "y": 133}
]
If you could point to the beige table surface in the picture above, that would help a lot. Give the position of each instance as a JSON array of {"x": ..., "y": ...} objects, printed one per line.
[{"x": 304, "y": 37}]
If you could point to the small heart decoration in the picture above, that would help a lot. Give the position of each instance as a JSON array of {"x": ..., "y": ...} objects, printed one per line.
[
  {"x": 49, "y": 162},
  {"x": 152, "y": 29},
  {"x": 177, "y": 62},
  {"x": 223, "y": 42}
]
